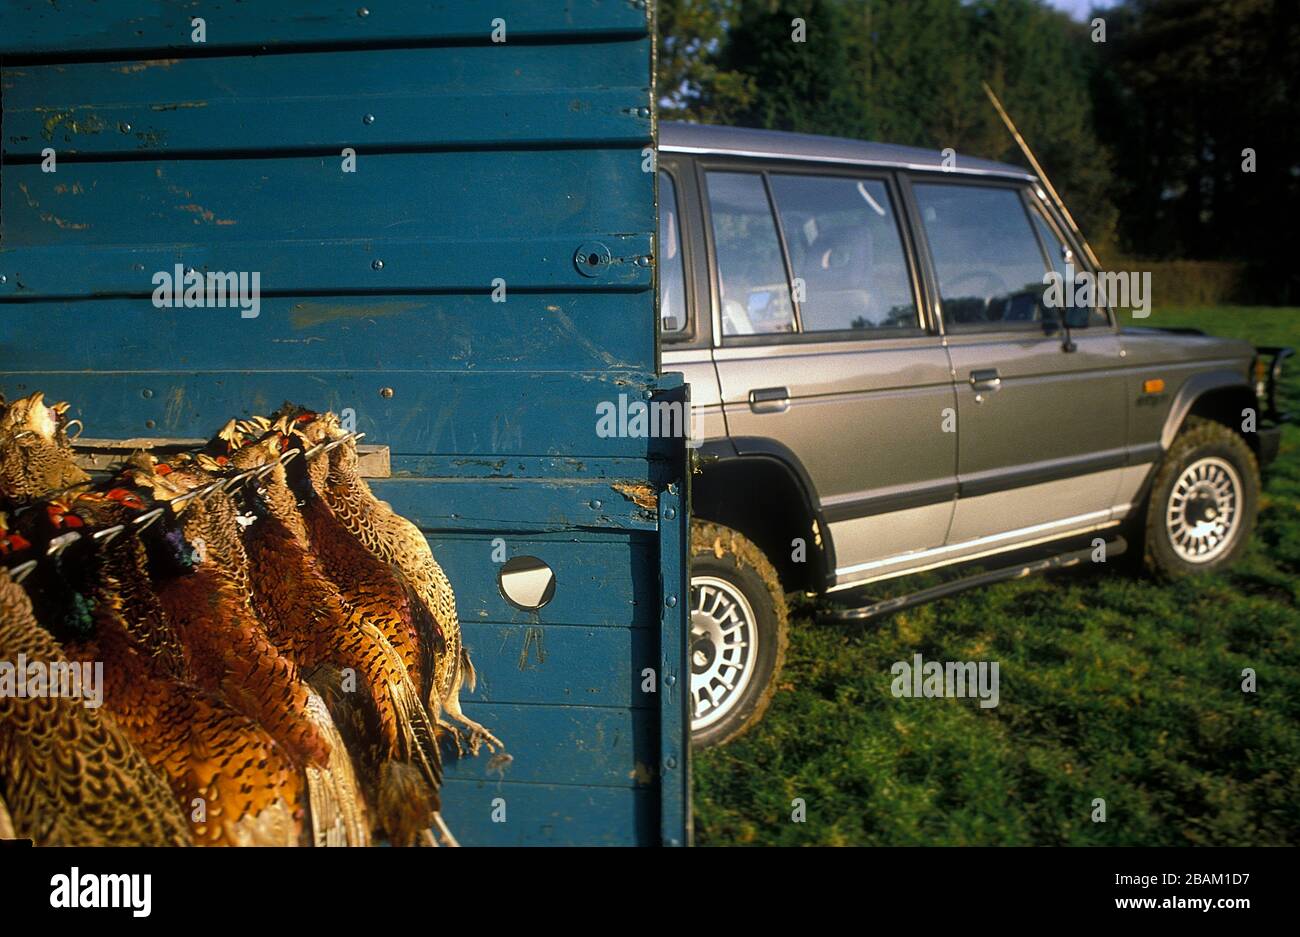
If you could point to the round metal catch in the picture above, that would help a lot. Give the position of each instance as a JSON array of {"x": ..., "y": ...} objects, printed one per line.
[
  {"x": 592, "y": 258},
  {"x": 526, "y": 582}
]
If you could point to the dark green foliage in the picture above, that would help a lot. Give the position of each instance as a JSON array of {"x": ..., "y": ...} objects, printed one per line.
[{"x": 1148, "y": 126}]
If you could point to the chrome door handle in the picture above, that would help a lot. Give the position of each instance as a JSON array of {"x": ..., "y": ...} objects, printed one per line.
[
  {"x": 986, "y": 379},
  {"x": 769, "y": 400}
]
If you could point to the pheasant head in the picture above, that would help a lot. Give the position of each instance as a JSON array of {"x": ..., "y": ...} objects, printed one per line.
[{"x": 35, "y": 457}]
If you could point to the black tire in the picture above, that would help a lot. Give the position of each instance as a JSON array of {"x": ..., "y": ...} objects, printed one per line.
[
  {"x": 1213, "y": 448},
  {"x": 726, "y": 568}
]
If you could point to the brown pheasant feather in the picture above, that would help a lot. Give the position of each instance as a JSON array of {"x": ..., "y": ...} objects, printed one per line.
[
  {"x": 227, "y": 649},
  {"x": 68, "y": 774},
  {"x": 34, "y": 454},
  {"x": 396, "y": 540},
  {"x": 306, "y": 611},
  {"x": 230, "y": 651}
]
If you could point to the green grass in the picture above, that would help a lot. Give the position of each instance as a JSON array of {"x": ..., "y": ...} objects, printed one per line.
[{"x": 1112, "y": 686}]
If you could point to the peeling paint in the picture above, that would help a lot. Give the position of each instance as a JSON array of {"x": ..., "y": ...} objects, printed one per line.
[
  {"x": 48, "y": 216},
  {"x": 639, "y": 493},
  {"x": 306, "y": 315},
  {"x": 206, "y": 215},
  {"x": 135, "y": 67},
  {"x": 177, "y": 105},
  {"x": 90, "y": 123}
]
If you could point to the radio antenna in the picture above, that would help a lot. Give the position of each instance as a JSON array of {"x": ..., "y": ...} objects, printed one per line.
[{"x": 1042, "y": 176}]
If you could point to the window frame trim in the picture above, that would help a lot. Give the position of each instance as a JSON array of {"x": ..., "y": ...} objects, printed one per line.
[
  {"x": 925, "y": 326},
  {"x": 1034, "y": 204},
  {"x": 689, "y": 335},
  {"x": 1020, "y": 189}
]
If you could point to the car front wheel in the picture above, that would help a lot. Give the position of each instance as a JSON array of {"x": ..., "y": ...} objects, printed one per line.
[
  {"x": 1203, "y": 501},
  {"x": 738, "y": 633}
]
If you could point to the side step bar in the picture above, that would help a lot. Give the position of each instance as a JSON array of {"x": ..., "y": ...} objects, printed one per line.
[{"x": 1115, "y": 547}]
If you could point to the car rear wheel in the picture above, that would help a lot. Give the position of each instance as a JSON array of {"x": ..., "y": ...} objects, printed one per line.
[
  {"x": 738, "y": 633},
  {"x": 1203, "y": 501}
]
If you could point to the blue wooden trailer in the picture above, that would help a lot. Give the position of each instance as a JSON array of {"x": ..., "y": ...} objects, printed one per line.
[{"x": 450, "y": 211}]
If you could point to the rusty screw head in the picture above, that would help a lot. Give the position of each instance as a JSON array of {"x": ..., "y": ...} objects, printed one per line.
[{"x": 386, "y": 393}]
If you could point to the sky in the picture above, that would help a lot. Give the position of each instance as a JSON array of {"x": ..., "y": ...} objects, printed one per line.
[{"x": 1079, "y": 8}]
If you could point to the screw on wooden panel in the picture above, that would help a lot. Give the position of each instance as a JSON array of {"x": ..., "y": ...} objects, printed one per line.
[
  {"x": 146, "y": 393},
  {"x": 377, "y": 265},
  {"x": 671, "y": 601},
  {"x": 3, "y": 278},
  {"x": 386, "y": 393},
  {"x": 368, "y": 119},
  {"x": 363, "y": 12},
  {"x": 149, "y": 424},
  {"x": 670, "y": 680},
  {"x": 643, "y": 112},
  {"x": 670, "y": 762},
  {"x": 669, "y": 513},
  {"x": 124, "y": 127},
  {"x": 597, "y": 505}
]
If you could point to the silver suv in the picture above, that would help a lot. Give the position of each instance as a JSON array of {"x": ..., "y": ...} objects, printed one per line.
[{"x": 883, "y": 390}]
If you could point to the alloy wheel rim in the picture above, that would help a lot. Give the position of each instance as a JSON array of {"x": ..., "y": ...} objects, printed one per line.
[
  {"x": 724, "y": 645},
  {"x": 1204, "y": 510}
]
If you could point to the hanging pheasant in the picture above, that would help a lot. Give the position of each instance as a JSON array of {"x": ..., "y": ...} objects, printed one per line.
[
  {"x": 68, "y": 774},
  {"x": 240, "y": 786},
  {"x": 307, "y": 613},
  {"x": 34, "y": 453},
  {"x": 229, "y": 651},
  {"x": 396, "y": 540}
]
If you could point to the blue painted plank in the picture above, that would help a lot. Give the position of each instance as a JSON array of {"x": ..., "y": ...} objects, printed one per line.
[
  {"x": 529, "y": 331},
  {"x": 502, "y": 506},
  {"x": 482, "y": 414},
  {"x": 403, "y": 221},
  {"x": 458, "y": 96},
  {"x": 607, "y": 583},
  {"x": 563, "y": 664},
  {"x": 547, "y": 815},
  {"x": 30, "y": 27},
  {"x": 443, "y": 466},
  {"x": 598, "y": 746}
]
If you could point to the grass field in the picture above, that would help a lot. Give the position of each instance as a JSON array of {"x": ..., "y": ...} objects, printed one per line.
[{"x": 1112, "y": 686}]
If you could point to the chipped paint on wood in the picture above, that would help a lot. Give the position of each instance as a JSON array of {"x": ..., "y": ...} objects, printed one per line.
[{"x": 639, "y": 493}]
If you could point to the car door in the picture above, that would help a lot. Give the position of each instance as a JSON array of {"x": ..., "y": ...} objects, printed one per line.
[
  {"x": 1040, "y": 412},
  {"x": 824, "y": 356}
]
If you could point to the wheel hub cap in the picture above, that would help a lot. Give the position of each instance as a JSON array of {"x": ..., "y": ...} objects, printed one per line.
[
  {"x": 1204, "y": 509},
  {"x": 723, "y": 645}
]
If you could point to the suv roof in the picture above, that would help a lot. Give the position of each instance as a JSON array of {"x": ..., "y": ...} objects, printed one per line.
[{"x": 774, "y": 144}]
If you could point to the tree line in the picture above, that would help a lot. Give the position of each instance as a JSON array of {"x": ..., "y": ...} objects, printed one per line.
[{"x": 1168, "y": 125}]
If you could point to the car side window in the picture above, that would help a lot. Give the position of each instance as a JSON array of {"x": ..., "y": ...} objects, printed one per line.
[
  {"x": 752, "y": 286},
  {"x": 1056, "y": 253},
  {"x": 672, "y": 273},
  {"x": 846, "y": 253},
  {"x": 986, "y": 256}
]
